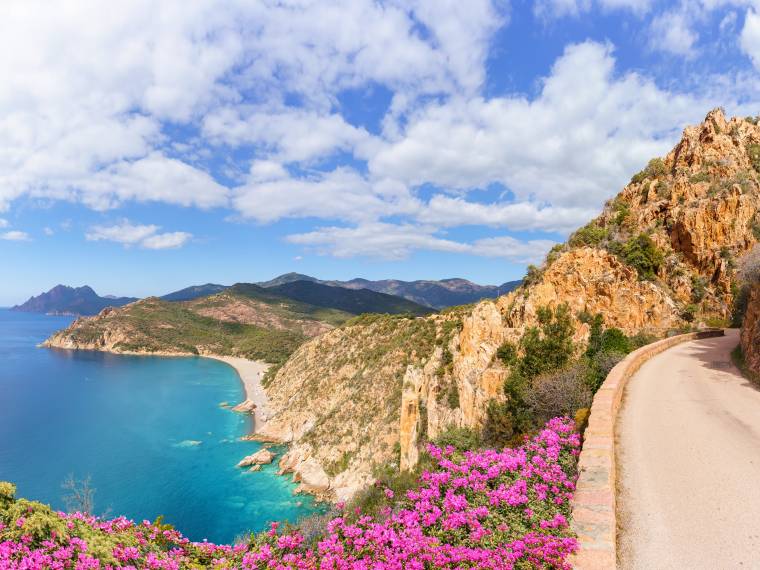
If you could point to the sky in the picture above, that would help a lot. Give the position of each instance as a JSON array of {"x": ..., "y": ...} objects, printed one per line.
[{"x": 147, "y": 146}]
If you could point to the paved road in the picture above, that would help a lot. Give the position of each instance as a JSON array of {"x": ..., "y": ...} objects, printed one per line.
[{"x": 689, "y": 462}]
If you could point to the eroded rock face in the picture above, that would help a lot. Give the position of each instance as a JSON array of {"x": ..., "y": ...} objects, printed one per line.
[{"x": 750, "y": 335}]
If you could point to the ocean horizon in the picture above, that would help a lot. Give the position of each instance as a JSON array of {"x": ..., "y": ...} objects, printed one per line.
[{"x": 151, "y": 433}]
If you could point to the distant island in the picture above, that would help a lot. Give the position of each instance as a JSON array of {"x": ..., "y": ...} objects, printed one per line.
[{"x": 64, "y": 300}]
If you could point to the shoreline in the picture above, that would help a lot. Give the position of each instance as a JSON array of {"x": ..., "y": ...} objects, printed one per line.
[{"x": 250, "y": 373}]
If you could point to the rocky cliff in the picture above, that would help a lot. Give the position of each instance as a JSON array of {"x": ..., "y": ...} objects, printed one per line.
[
  {"x": 750, "y": 335},
  {"x": 659, "y": 257}
]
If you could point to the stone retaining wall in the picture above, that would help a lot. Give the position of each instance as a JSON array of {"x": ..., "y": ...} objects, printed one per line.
[{"x": 594, "y": 517}]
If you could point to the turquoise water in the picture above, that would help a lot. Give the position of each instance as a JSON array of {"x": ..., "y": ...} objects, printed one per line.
[{"x": 149, "y": 431}]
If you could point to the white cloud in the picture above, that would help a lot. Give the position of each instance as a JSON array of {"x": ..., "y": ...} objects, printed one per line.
[
  {"x": 48, "y": 231},
  {"x": 84, "y": 108},
  {"x": 673, "y": 32},
  {"x": 341, "y": 194},
  {"x": 15, "y": 235},
  {"x": 445, "y": 211},
  {"x": 3, "y": 223},
  {"x": 398, "y": 241},
  {"x": 290, "y": 135},
  {"x": 750, "y": 36},
  {"x": 169, "y": 240},
  {"x": 556, "y": 150},
  {"x": 552, "y": 9},
  {"x": 145, "y": 236}
]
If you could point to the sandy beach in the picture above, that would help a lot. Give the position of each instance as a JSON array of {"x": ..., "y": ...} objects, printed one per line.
[{"x": 251, "y": 372}]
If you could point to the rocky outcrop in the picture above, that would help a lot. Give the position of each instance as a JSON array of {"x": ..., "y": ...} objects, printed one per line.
[
  {"x": 261, "y": 457},
  {"x": 750, "y": 335}
]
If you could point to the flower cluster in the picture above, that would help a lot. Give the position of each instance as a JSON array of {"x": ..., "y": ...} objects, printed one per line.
[{"x": 478, "y": 509}]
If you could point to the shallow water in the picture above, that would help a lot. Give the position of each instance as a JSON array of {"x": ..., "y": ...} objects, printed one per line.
[{"x": 149, "y": 431}]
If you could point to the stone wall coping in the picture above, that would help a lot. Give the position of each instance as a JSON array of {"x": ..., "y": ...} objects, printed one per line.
[{"x": 594, "y": 514}]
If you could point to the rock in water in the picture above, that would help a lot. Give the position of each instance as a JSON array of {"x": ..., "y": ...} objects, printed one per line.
[
  {"x": 246, "y": 407},
  {"x": 261, "y": 457}
]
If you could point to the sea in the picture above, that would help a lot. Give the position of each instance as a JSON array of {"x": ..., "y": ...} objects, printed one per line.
[{"x": 152, "y": 434}]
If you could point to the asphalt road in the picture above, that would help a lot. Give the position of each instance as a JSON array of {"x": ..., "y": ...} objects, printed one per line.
[{"x": 688, "y": 462}]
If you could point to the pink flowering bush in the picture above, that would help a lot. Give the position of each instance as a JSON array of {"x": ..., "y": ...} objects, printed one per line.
[{"x": 478, "y": 509}]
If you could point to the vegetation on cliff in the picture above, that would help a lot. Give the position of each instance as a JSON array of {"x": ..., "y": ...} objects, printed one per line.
[{"x": 487, "y": 509}]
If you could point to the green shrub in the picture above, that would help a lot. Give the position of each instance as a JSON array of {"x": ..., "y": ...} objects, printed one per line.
[
  {"x": 590, "y": 234},
  {"x": 689, "y": 313},
  {"x": 642, "y": 254},
  {"x": 499, "y": 427},
  {"x": 460, "y": 438},
  {"x": 532, "y": 275},
  {"x": 598, "y": 367},
  {"x": 663, "y": 190},
  {"x": 623, "y": 212},
  {"x": 698, "y": 288},
  {"x": 701, "y": 176},
  {"x": 741, "y": 301},
  {"x": 656, "y": 167},
  {"x": 753, "y": 150},
  {"x": 549, "y": 347},
  {"x": 507, "y": 353}
]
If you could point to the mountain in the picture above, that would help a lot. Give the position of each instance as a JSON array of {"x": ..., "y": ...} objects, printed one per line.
[
  {"x": 194, "y": 292},
  {"x": 242, "y": 320},
  {"x": 661, "y": 257},
  {"x": 64, "y": 300},
  {"x": 433, "y": 294},
  {"x": 354, "y": 301}
]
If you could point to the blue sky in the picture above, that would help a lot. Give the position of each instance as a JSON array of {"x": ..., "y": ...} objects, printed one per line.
[{"x": 148, "y": 146}]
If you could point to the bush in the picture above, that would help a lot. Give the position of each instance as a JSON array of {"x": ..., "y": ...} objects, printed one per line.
[
  {"x": 741, "y": 302},
  {"x": 499, "y": 427},
  {"x": 698, "y": 288},
  {"x": 460, "y": 438},
  {"x": 753, "y": 150},
  {"x": 590, "y": 234},
  {"x": 559, "y": 393},
  {"x": 532, "y": 275},
  {"x": 655, "y": 168},
  {"x": 598, "y": 367},
  {"x": 507, "y": 353},
  {"x": 663, "y": 190},
  {"x": 642, "y": 254},
  {"x": 549, "y": 347}
]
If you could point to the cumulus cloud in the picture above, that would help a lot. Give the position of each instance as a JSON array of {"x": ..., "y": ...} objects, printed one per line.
[
  {"x": 145, "y": 236},
  {"x": 565, "y": 151},
  {"x": 341, "y": 194},
  {"x": 84, "y": 109},
  {"x": 15, "y": 235},
  {"x": 673, "y": 32},
  {"x": 398, "y": 241},
  {"x": 750, "y": 36},
  {"x": 289, "y": 135}
]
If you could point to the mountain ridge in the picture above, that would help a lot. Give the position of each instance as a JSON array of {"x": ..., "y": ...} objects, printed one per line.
[{"x": 436, "y": 294}]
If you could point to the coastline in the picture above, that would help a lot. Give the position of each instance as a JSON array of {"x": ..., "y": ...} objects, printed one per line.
[{"x": 250, "y": 373}]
